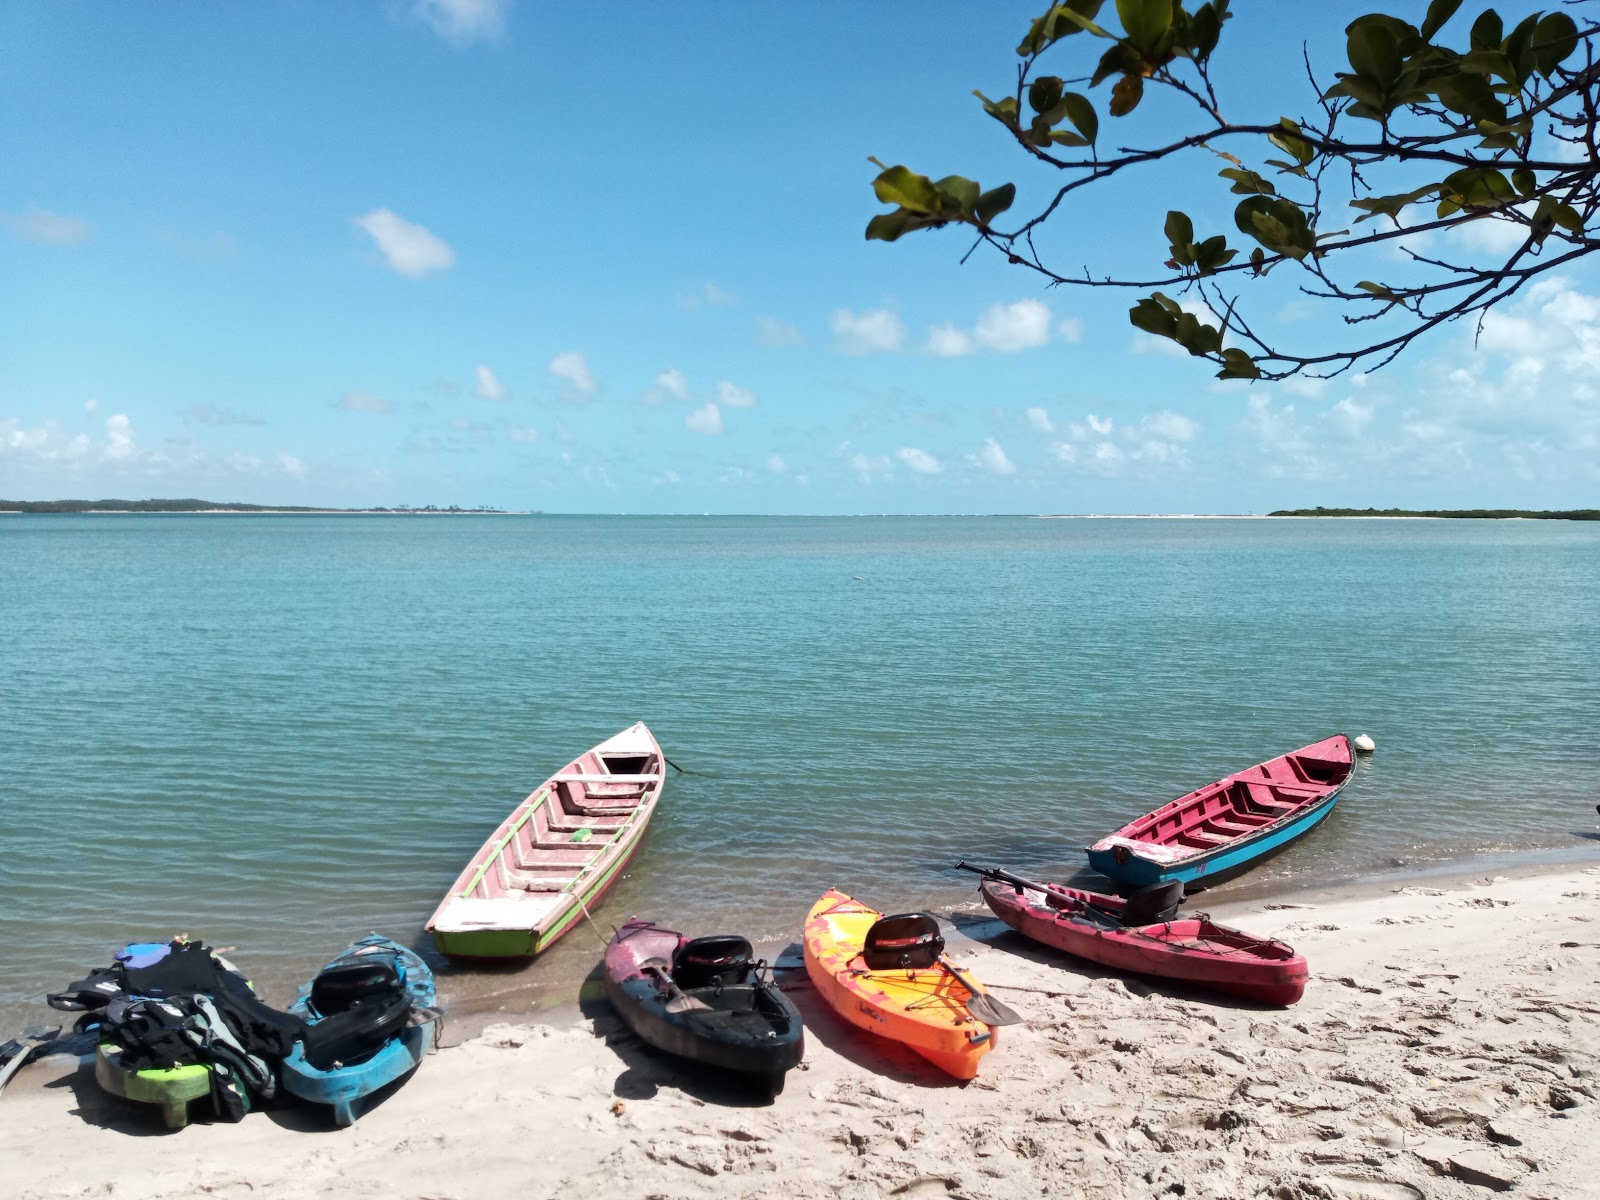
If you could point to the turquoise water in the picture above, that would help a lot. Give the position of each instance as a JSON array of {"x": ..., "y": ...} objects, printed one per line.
[{"x": 281, "y": 732}]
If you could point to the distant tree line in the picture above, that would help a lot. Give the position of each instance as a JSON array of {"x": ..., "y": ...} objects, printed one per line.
[{"x": 1575, "y": 514}]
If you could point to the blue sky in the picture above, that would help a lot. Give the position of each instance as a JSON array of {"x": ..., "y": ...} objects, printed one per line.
[{"x": 580, "y": 258}]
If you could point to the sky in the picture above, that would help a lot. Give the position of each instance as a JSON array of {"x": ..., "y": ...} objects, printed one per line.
[{"x": 583, "y": 258}]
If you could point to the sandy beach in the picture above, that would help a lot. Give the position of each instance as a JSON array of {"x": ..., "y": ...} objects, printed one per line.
[{"x": 1447, "y": 1047}]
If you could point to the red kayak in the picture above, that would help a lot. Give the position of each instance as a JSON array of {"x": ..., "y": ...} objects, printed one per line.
[{"x": 1190, "y": 949}]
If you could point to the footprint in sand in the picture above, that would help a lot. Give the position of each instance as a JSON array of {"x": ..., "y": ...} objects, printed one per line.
[{"x": 1483, "y": 902}]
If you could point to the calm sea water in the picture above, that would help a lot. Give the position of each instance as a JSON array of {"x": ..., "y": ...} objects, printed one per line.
[{"x": 281, "y": 732}]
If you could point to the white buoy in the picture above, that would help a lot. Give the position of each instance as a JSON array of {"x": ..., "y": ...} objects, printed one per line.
[{"x": 1364, "y": 744}]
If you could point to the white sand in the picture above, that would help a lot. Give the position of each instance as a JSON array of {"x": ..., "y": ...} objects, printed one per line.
[{"x": 1447, "y": 1047}]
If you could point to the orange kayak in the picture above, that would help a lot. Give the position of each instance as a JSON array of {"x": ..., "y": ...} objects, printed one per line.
[{"x": 924, "y": 1006}]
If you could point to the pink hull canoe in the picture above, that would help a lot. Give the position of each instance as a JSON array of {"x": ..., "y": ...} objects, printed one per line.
[{"x": 1189, "y": 949}]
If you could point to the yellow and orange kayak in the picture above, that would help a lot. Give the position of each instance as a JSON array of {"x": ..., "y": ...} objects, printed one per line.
[{"x": 924, "y": 1007}]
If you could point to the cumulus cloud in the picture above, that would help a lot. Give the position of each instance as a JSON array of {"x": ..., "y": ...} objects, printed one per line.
[
  {"x": 671, "y": 382},
  {"x": 1071, "y": 330},
  {"x": 90, "y": 405},
  {"x": 1008, "y": 328},
  {"x": 408, "y": 248},
  {"x": 1040, "y": 420},
  {"x": 946, "y": 341},
  {"x": 488, "y": 385},
  {"x": 463, "y": 22},
  {"x": 710, "y": 295},
  {"x": 119, "y": 436},
  {"x": 45, "y": 228},
  {"x": 522, "y": 434},
  {"x": 992, "y": 458},
  {"x": 871, "y": 466},
  {"x": 289, "y": 464},
  {"x": 574, "y": 379},
  {"x": 774, "y": 333},
  {"x": 877, "y": 329},
  {"x": 364, "y": 402},
  {"x": 734, "y": 396},
  {"x": 776, "y": 465},
  {"x": 707, "y": 420},
  {"x": 919, "y": 461},
  {"x": 1174, "y": 427}
]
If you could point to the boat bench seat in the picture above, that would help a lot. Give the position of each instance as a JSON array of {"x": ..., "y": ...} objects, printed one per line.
[
  {"x": 538, "y": 883},
  {"x": 584, "y": 777},
  {"x": 1205, "y": 835}
]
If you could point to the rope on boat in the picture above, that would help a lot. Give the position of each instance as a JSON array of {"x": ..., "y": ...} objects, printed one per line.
[
  {"x": 584, "y": 909},
  {"x": 681, "y": 770}
]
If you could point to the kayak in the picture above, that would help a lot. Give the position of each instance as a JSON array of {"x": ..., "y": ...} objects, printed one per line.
[
  {"x": 1189, "y": 949},
  {"x": 888, "y": 975},
  {"x": 1226, "y": 827},
  {"x": 369, "y": 1019},
  {"x": 556, "y": 855},
  {"x": 704, "y": 1000}
]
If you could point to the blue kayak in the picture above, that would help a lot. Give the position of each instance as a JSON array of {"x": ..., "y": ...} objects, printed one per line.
[{"x": 370, "y": 1017}]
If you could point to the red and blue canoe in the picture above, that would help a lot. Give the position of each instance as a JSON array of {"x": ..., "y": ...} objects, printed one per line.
[
  {"x": 1190, "y": 949},
  {"x": 1226, "y": 827}
]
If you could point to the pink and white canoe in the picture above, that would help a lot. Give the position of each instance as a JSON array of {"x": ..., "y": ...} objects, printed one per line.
[{"x": 557, "y": 853}]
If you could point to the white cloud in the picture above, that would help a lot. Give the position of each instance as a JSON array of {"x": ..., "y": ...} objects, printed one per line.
[
  {"x": 1174, "y": 427},
  {"x": 119, "y": 436},
  {"x": 877, "y": 329},
  {"x": 571, "y": 368},
  {"x": 462, "y": 22},
  {"x": 774, "y": 333},
  {"x": 776, "y": 465},
  {"x": 992, "y": 458},
  {"x": 1040, "y": 420},
  {"x": 90, "y": 405},
  {"x": 1352, "y": 418},
  {"x": 870, "y": 466},
  {"x": 710, "y": 295},
  {"x": 672, "y": 382},
  {"x": 1008, "y": 328},
  {"x": 290, "y": 465},
  {"x": 707, "y": 420},
  {"x": 45, "y": 228},
  {"x": 946, "y": 341},
  {"x": 408, "y": 248},
  {"x": 734, "y": 396},
  {"x": 364, "y": 402},
  {"x": 489, "y": 386},
  {"x": 1107, "y": 452},
  {"x": 919, "y": 461},
  {"x": 1071, "y": 330},
  {"x": 1091, "y": 427},
  {"x": 523, "y": 434}
]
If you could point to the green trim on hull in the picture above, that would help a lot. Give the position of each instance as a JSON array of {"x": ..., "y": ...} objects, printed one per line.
[{"x": 526, "y": 943}]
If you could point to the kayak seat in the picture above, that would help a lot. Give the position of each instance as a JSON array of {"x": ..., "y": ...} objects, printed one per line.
[
  {"x": 344, "y": 985},
  {"x": 1152, "y": 905},
  {"x": 905, "y": 941},
  {"x": 719, "y": 960},
  {"x": 357, "y": 1032}
]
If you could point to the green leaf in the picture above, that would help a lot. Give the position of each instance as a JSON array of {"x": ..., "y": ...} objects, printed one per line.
[
  {"x": 1555, "y": 38},
  {"x": 1065, "y": 137},
  {"x": 1213, "y": 253},
  {"x": 1487, "y": 31},
  {"x": 903, "y": 186},
  {"x": 1145, "y": 22},
  {"x": 1518, "y": 47},
  {"x": 1439, "y": 11},
  {"x": 1044, "y": 93},
  {"x": 1565, "y": 216},
  {"x": 1391, "y": 206},
  {"x": 1247, "y": 182},
  {"x": 1374, "y": 52},
  {"x": 994, "y": 202},
  {"x": 1278, "y": 224},
  {"x": 1180, "y": 233},
  {"x": 887, "y": 227},
  {"x": 1080, "y": 111},
  {"x": 1475, "y": 187},
  {"x": 1378, "y": 290},
  {"x": 1126, "y": 94},
  {"x": 1236, "y": 364},
  {"x": 1524, "y": 181},
  {"x": 1296, "y": 148},
  {"x": 1004, "y": 111},
  {"x": 1152, "y": 317},
  {"x": 1470, "y": 95},
  {"x": 957, "y": 193},
  {"x": 1061, "y": 21},
  {"x": 1257, "y": 257},
  {"x": 1205, "y": 27}
]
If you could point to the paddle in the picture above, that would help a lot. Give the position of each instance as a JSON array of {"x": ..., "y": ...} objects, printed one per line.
[
  {"x": 980, "y": 1004},
  {"x": 20, "y": 1049},
  {"x": 679, "y": 1001},
  {"x": 1002, "y": 876}
]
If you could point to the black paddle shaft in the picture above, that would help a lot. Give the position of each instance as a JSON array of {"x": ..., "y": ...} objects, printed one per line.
[{"x": 1003, "y": 876}]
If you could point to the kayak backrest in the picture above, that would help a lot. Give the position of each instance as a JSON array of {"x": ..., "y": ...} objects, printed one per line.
[
  {"x": 905, "y": 940},
  {"x": 1152, "y": 905},
  {"x": 718, "y": 960},
  {"x": 356, "y": 1033},
  {"x": 344, "y": 985}
]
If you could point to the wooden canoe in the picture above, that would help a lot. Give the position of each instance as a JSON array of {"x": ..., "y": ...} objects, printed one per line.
[
  {"x": 558, "y": 852},
  {"x": 925, "y": 1008},
  {"x": 704, "y": 1000},
  {"x": 1190, "y": 949},
  {"x": 1228, "y": 826}
]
